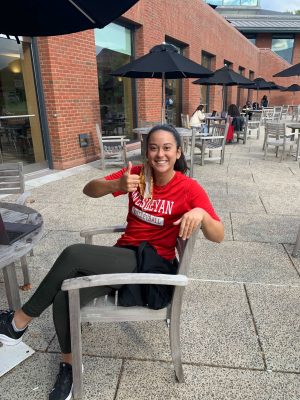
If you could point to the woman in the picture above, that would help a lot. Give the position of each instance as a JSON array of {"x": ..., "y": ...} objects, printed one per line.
[
  {"x": 264, "y": 101},
  {"x": 163, "y": 204},
  {"x": 233, "y": 112},
  {"x": 198, "y": 116}
]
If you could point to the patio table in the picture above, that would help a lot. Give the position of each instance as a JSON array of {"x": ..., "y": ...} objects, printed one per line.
[{"x": 9, "y": 254}]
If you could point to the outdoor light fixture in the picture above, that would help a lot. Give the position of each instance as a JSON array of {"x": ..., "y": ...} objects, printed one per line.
[{"x": 84, "y": 139}]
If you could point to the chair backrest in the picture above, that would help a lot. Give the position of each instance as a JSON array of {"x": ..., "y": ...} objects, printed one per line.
[
  {"x": 284, "y": 112},
  {"x": 219, "y": 135},
  {"x": 113, "y": 148},
  {"x": 148, "y": 124},
  {"x": 185, "y": 121},
  {"x": 256, "y": 116},
  {"x": 275, "y": 129},
  {"x": 12, "y": 178}
]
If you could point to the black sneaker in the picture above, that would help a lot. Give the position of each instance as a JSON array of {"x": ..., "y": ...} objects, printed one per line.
[
  {"x": 8, "y": 335},
  {"x": 62, "y": 389}
]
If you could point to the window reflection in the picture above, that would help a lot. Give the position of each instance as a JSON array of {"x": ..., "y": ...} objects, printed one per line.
[
  {"x": 113, "y": 49},
  {"x": 283, "y": 46}
]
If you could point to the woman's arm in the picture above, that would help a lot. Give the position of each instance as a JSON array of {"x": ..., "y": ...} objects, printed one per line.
[
  {"x": 100, "y": 187},
  {"x": 212, "y": 229}
]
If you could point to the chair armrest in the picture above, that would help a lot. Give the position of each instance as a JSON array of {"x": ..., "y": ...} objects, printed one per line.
[
  {"x": 97, "y": 231},
  {"x": 210, "y": 137},
  {"x": 122, "y": 279}
]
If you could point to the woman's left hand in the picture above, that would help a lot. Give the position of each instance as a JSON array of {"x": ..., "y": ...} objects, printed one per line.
[{"x": 189, "y": 222}]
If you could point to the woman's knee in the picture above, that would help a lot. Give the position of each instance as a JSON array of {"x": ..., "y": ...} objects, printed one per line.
[{"x": 72, "y": 252}]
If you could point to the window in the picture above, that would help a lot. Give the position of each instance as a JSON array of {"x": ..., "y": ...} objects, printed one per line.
[
  {"x": 283, "y": 46},
  {"x": 239, "y": 90},
  {"x": 207, "y": 61},
  {"x": 114, "y": 49},
  {"x": 250, "y": 91},
  {"x": 227, "y": 90},
  {"x": 173, "y": 92}
]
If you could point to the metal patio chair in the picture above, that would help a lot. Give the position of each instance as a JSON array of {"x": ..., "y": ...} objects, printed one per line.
[{"x": 106, "y": 309}]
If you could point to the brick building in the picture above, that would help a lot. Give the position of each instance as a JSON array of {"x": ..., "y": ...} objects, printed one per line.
[{"x": 62, "y": 84}]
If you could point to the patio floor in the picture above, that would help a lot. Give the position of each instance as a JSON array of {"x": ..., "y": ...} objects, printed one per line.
[{"x": 240, "y": 325}]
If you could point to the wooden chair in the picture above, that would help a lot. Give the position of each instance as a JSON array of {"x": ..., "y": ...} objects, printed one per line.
[
  {"x": 276, "y": 135},
  {"x": 254, "y": 124},
  {"x": 212, "y": 143},
  {"x": 241, "y": 133},
  {"x": 12, "y": 182},
  {"x": 101, "y": 310},
  {"x": 284, "y": 112},
  {"x": 185, "y": 121},
  {"x": 297, "y": 245},
  {"x": 113, "y": 149}
]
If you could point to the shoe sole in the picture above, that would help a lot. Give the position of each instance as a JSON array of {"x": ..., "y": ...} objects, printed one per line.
[{"x": 8, "y": 341}]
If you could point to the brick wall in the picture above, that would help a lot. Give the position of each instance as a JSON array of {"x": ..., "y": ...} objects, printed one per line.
[
  {"x": 69, "y": 70},
  {"x": 70, "y": 83}
]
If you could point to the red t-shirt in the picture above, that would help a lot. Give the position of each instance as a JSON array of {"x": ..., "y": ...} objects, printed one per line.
[{"x": 152, "y": 220}]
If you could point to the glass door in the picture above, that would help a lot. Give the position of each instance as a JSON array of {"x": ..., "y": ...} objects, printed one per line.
[{"x": 20, "y": 133}]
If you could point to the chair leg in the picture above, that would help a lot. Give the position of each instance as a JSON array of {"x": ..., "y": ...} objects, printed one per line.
[
  {"x": 266, "y": 148},
  {"x": 175, "y": 334},
  {"x": 26, "y": 275},
  {"x": 75, "y": 329}
]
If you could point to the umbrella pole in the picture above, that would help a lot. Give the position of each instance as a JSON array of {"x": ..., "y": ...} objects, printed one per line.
[
  {"x": 223, "y": 97},
  {"x": 163, "y": 101}
]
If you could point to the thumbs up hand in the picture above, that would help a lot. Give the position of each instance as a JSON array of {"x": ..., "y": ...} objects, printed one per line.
[{"x": 129, "y": 182}]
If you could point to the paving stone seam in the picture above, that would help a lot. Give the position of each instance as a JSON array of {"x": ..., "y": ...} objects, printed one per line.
[
  {"x": 119, "y": 378},
  {"x": 261, "y": 200},
  {"x": 289, "y": 285},
  {"x": 259, "y": 342},
  {"x": 188, "y": 363},
  {"x": 291, "y": 260}
]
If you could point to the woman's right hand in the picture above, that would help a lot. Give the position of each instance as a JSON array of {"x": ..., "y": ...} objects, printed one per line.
[{"x": 129, "y": 182}]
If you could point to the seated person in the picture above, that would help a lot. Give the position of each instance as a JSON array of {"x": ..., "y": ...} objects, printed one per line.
[
  {"x": 158, "y": 213},
  {"x": 255, "y": 106},
  {"x": 198, "y": 119},
  {"x": 246, "y": 109}
]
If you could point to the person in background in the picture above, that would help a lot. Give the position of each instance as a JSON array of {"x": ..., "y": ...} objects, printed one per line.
[
  {"x": 198, "y": 119},
  {"x": 163, "y": 203},
  {"x": 264, "y": 101},
  {"x": 234, "y": 117},
  {"x": 255, "y": 106},
  {"x": 247, "y": 109}
]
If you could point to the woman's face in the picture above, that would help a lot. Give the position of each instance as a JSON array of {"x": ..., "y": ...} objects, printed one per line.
[{"x": 162, "y": 153}]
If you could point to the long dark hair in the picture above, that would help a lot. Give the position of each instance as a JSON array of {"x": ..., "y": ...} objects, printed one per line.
[
  {"x": 199, "y": 108},
  {"x": 180, "y": 164},
  {"x": 233, "y": 111}
]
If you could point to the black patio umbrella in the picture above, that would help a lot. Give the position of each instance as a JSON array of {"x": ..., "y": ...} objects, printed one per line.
[
  {"x": 225, "y": 77},
  {"x": 57, "y": 17},
  {"x": 292, "y": 88},
  {"x": 294, "y": 70},
  {"x": 258, "y": 84},
  {"x": 162, "y": 62}
]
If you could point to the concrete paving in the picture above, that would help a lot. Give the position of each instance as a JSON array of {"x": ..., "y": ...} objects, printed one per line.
[{"x": 240, "y": 322}]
